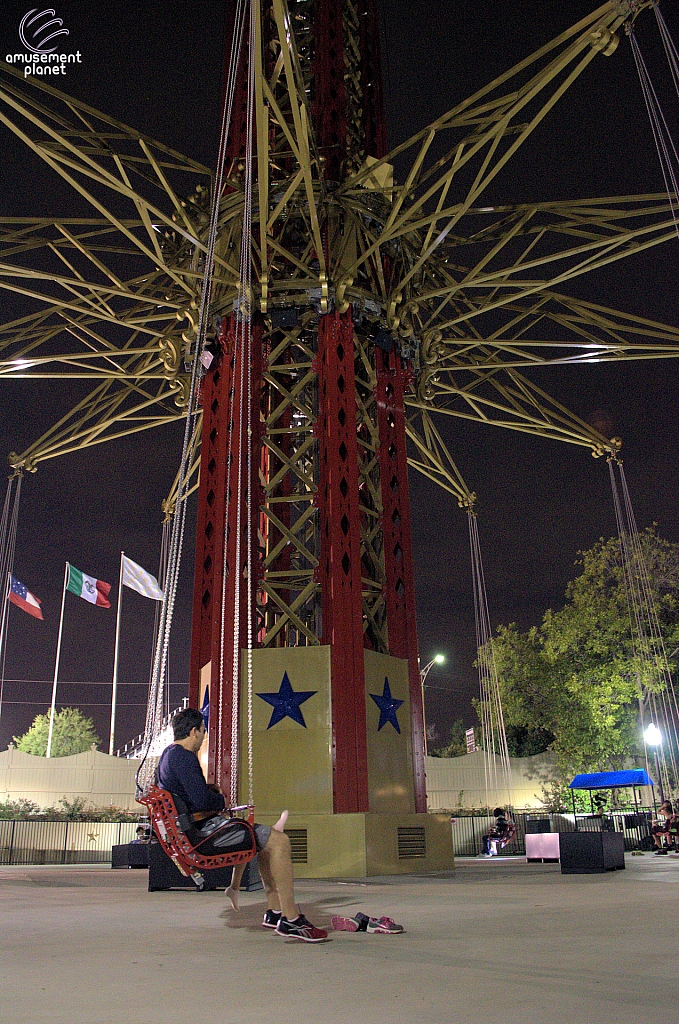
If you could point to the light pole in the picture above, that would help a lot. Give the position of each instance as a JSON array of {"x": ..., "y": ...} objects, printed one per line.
[
  {"x": 438, "y": 659},
  {"x": 653, "y": 738}
]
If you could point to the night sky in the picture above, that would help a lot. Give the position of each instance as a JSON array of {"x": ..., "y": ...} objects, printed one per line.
[{"x": 539, "y": 502}]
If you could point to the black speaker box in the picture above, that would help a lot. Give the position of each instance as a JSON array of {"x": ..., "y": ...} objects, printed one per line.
[
  {"x": 130, "y": 855},
  {"x": 164, "y": 875},
  {"x": 537, "y": 826},
  {"x": 586, "y": 853}
]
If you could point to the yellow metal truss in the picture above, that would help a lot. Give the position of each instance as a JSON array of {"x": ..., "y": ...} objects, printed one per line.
[{"x": 109, "y": 295}]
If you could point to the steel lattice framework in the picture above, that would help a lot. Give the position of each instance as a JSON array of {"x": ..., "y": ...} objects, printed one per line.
[
  {"x": 430, "y": 303},
  {"x": 470, "y": 293}
]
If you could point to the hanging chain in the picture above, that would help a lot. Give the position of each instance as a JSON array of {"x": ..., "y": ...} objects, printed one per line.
[
  {"x": 243, "y": 367},
  {"x": 179, "y": 521},
  {"x": 662, "y": 137},
  {"x": 647, "y": 641},
  {"x": 492, "y": 716},
  {"x": 8, "y": 536}
]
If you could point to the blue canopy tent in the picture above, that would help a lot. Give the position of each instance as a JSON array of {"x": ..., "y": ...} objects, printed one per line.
[{"x": 612, "y": 780}]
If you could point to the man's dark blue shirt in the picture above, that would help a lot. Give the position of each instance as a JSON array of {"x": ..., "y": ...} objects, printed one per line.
[{"x": 179, "y": 771}]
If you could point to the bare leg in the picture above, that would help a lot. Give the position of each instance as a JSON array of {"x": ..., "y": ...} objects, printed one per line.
[
  {"x": 275, "y": 867},
  {"x": 280, "y": 824},
  {"x": 234, "y": 889}
]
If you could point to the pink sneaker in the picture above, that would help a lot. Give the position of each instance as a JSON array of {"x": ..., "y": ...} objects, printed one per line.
[
  {"x": 384, "y": 926},
  {"x": 344, "y": 924}
]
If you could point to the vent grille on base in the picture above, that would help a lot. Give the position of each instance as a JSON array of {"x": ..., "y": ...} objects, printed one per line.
[
  {"x": 298, "y": 844},
  {"x": 412, "y": 842}
]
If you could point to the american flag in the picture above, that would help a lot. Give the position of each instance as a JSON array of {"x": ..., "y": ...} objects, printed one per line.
[{"x": 21, "y": 596}]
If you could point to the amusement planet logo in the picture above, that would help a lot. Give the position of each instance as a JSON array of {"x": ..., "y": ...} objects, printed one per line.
[{"x": 41, "y": 32}]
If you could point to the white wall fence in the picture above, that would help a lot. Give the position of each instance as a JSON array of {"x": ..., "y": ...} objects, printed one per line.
[
  {"x": 106, "y": 781},
  {"x": 455, "y": 782},
  {"x": 62, "y": 842},
  {"x": 103, "y": 781}
]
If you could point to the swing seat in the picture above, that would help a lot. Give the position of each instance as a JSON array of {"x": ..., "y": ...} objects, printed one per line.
[
  {"x": 499, "y": 842},
  {"x": 171, "y": 829}
]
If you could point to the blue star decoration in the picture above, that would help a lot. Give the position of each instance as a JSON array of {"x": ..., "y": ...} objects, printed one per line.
[
  {"x": 388, "y": 706},
  {"x": 286, "y": 703}
]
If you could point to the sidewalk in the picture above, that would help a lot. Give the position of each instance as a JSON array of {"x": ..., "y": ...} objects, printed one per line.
[{"x": 493, "y": 941}]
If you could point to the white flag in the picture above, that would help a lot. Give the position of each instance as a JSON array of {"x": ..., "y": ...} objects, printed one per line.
[{"x": 140, "y": 580}]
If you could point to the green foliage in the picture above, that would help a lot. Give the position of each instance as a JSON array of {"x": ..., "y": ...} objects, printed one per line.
[
  {"x": 69, "y": 810},
  {"x": 13, "y": 810},
  {"x": 72, "y": 734},
  {"x": 78, "y": 809},
  {"x": 576, "y": 678},
  {"x": 528, "y": 740},
  {"x": 66, "y": 810},
  {"x": 457, "y": 744}
]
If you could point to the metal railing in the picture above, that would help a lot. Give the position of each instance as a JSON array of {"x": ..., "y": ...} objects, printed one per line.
[
  {"x": 134, "y": 748},
  {"x": 469, "y": 830},
  {"x": 62, "y": 842}
]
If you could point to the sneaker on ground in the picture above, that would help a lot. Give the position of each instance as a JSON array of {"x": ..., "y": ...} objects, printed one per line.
[
  {"x": 300, "y": 929},
  {"x": 384, "y": 926},
  {"x": 345, "y": 924},
  {"x": 271, "y": 919}
]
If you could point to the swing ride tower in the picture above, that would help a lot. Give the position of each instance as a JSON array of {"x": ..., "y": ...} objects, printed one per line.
[
  {"x": 304, "y": 470},
  {"x": 352, "y": 300}
]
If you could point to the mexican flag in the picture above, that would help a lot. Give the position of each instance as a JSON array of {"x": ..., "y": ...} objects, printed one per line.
[{"x": 94, "y": 591}]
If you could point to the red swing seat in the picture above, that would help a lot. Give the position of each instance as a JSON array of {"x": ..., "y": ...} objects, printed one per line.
[
  {"x": 170, "y": 828},
  {"x": 506, "y": 838}
]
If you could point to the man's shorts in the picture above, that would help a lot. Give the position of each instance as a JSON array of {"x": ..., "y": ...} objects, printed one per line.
[{"x": 230, "y": 839}]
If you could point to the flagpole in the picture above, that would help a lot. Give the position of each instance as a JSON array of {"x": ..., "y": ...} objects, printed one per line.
[
  {"x": 56, "y": 664},
  {"x": 114, "y": 695},
  {"x": 3, "y": 636}
]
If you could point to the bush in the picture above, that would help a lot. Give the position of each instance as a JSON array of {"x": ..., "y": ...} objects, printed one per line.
[
  {"x": 66, "y": 810},
  {"x": 12, "y": 810}
]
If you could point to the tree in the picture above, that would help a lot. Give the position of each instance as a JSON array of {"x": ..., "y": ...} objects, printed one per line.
[
  {"x": 72, "y": 734},
  {"x": 527, "y": 740},
  {"x": 577, "y": 677},
  {"x": 457, "y": 744}
]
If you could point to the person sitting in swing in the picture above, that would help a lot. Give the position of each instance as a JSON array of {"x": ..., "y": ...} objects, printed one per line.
[
  {"x": 496, "y": 834},
  {"x": 180, "y": 773},
  {"x": 661, "y": 828}
]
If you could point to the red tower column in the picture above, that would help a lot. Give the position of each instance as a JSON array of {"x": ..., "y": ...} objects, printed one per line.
[
  {"x": 340, "y": 562},
  {"x": 393, "y": 379},
  {"x": 221, "y": 480}
]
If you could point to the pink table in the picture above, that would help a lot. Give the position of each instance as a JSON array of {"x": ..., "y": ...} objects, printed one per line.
[{"x": 543, "y": 846}]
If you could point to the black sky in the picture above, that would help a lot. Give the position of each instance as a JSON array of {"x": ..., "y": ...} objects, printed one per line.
[{"x": 158, "y": 68}]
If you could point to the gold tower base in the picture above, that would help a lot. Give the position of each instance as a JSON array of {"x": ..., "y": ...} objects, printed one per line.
[
  {"x": 293, "y": 768},
  {"x": 358, "y": 845}
]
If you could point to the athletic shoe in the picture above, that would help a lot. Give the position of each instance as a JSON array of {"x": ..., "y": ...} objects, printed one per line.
[
  {"x": 300, "y": 929},
  {"x": 271, "y": 919},
  {"x": 384, "y": 926},
  {"x": 345, "y": 924}
]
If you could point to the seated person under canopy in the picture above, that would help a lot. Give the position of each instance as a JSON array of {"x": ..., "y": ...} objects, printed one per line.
[
  {"x": 179, "y": 772},
  {"x": 661, "y": 828}
]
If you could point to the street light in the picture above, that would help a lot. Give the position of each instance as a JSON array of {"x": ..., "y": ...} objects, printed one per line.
[
  {"x": 653, "y": 738},
  {"x": 438, "y": 659}
]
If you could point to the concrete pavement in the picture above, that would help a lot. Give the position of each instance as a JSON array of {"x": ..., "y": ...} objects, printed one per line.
[{"x": 493, "y": 941}]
